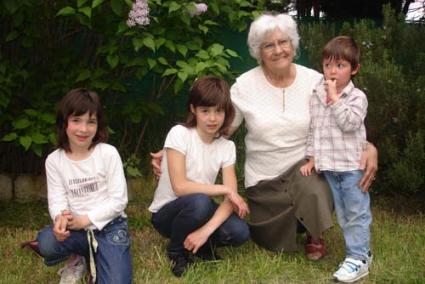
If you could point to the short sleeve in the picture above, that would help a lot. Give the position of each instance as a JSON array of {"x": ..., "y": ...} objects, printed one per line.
[
  {"x": 230, "y": 154},
  {"x": 177, "y": 139}
]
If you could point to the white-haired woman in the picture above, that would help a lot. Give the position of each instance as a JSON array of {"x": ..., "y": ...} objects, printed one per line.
[{"x": 273, "y": 101}]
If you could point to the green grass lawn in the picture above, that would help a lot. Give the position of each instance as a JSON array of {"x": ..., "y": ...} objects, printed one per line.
[{"x": 398, "y": 243}]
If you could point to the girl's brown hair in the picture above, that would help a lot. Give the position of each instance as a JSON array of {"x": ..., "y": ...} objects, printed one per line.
[
  {"x": 211, "y": 91},
  {"x": 78, "y": 102},
  {"x": 342, "y": 47}
]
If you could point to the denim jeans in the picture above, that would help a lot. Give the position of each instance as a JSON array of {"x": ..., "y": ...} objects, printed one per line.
[
  {"x": 180, "y": 217},
  {"x": 352, "y": 207},
  {"x": 113, "y": 260}
]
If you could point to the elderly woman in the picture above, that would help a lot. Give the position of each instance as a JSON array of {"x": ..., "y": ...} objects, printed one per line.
[{"x": 273, "y": 101}]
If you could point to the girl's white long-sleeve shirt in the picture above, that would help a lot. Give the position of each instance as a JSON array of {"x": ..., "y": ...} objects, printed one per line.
[{"x": 95, "y": 187}]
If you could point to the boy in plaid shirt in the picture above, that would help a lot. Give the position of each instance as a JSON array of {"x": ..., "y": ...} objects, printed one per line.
[{"x": 336, "y": 140}]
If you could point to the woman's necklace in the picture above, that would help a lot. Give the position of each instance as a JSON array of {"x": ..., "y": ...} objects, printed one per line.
[{"x": 281, "y": 81}]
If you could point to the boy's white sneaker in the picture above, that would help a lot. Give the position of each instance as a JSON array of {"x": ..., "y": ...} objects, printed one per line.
[
  {"x": 369, "y": 258},
  {"x": 351, "y": 270},
  {"x": 72, "y": 274}
]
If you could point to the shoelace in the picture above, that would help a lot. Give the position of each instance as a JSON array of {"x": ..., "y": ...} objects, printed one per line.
[{"x": 350, "y": 266}]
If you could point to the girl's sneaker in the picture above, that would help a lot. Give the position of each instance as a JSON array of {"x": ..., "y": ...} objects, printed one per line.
[
  {"x": 351, "y": 270},
  {"x": 73, "y": 272}
]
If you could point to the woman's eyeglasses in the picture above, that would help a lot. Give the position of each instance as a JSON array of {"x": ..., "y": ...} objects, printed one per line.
[{"x": 270, "y": 46}]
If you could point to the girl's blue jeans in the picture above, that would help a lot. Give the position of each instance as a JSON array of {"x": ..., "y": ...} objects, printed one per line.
[
  {"x": 113, "y": 260},
  {"x": 180, "y": 217},
  {"x": 352, "y": 207}
]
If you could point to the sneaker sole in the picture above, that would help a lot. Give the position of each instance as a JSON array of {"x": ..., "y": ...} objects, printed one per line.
[{"x": 352, "y": 280}]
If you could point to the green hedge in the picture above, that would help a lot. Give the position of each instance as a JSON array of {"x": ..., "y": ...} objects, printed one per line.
[{"x": 142, "y": 74}]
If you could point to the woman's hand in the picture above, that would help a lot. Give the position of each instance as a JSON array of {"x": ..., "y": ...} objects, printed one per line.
[
  {"x": 195, "y": 240},
  {"x": 156, "y": 163},
  {"x": 238, "y": 203},
  {"x": 369, "y": 164}
]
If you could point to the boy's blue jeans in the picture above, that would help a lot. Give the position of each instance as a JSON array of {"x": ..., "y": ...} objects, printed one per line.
[
  {"x": 352, "y": 207},
  {"x": 180, "y": 217},
  {"x": 113, "y": 260}
]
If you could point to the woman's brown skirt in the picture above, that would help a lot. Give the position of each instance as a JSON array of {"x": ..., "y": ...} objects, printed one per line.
[{"x": 277, "y": 204}]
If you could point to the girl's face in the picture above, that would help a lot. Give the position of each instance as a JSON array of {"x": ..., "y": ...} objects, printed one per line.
[
  {"x": 209, "y": 120},
  {"x": 81, "y": 130},
  {"x": 339, "y": 70}
]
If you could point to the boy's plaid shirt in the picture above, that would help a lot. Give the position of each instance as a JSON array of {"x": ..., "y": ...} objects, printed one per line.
[{"x": 337, "y": 134}]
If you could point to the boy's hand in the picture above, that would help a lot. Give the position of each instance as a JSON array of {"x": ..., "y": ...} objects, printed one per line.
[
  {"x": 330, "y": 88},
  {"x": 307, "y": 168}
]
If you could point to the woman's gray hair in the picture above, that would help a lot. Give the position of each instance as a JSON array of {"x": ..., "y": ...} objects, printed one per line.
[{"x": 267, "y": 23}]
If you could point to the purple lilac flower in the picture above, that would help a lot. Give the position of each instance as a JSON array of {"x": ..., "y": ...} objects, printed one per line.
[
  {"x": 199, "y": 9},
  {"x": 139, "y": 14}
]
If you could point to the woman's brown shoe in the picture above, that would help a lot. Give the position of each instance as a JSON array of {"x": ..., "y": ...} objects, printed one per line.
[{"x": 314, "y": 250}]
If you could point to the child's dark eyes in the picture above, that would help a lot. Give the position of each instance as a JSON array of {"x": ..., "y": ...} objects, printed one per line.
[
  {"x": 206, "y": 110},
  {"x": 338, "y": 65},
  {"x": 78, "y": 120}
]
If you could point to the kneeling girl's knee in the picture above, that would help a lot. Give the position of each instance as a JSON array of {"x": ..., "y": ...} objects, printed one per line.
[{"x": 47, "y": 242}]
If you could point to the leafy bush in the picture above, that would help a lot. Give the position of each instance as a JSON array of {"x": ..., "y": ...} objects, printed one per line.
[
  {"x": 391, "y": 76},
  {"x": 48, "y": 48}
]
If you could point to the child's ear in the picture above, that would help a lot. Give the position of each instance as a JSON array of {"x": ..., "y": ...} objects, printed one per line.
[
  {"x": 355, "y": 70},
  {"x": 192, "y": 109}
]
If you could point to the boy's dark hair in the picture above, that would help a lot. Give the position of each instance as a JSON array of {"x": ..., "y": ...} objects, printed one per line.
[
  {"x": 210, "y": 91},
  {"x": 78, "y": 102},
  {"x": 342, "y": 47}
]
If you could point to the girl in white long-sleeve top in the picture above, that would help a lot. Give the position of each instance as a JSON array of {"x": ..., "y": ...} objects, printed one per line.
[{"x": 87, "y": 195}]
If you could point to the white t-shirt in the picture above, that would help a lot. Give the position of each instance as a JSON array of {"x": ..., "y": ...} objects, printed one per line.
[
  {"x": 203, "y": 161},
  {"x": 277, "y": 120},
  {"x": 95, "y": 186}
]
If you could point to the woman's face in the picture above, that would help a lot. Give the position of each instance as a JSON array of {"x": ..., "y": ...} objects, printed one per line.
[{"x": 277, "y": 52}]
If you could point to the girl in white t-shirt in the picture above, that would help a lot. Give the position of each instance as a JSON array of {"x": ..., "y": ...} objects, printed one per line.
[
  {"x": 183, "y": 209},
  {"x": 87, "y": 195}
]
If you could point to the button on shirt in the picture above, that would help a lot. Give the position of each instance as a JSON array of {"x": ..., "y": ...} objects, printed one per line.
[{"x": 337, "y": 132}]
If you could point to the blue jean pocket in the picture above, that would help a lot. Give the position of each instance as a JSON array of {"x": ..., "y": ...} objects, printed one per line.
[{"x": 117, "y": 233}]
